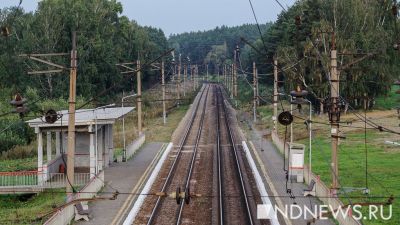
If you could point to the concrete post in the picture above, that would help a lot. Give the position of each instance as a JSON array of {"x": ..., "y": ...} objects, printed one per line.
[
  {"x": 335, "y": 119},
  {"x": 111, "y": 142},
  {"x": 40, "y": 155},
  {"x": 58, "y": 144},
  {"x": 275, "y": 117},
  {"x": 254, "y": 93},
  {"x": 100, "y": 149},
  {"x": 106, "y": 147},
  {"x": 92, "y": 156},
  {"x": 48, "y": 146},
  {"x": 139, "y": 97}
]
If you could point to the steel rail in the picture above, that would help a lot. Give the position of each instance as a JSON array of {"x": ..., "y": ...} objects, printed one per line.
[
  {"x": 177, "y": 157},
  {"x": 238, "y": 168},
  {"x": 219, "y": 160},
  {"x": 196, "y": 147}
]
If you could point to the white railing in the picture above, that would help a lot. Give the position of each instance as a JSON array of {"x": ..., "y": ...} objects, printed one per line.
[
  {"x": 32, "y": 178},
  {"x": 23, "y": 178}
]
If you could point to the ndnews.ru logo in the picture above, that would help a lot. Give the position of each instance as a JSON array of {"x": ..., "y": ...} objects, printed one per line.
[{"x": 322, "y": 212}]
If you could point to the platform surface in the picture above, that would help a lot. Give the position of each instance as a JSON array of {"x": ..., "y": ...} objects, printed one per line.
[{"x": 122, "y": 177}]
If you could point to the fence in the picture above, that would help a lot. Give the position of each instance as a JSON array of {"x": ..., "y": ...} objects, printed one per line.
[
  {"x": 32, "y": 178},
  {"x": 65, "y": 215},
  {"x": 321, "y": 188},
  {"x": 25, "y": 178},
  {"x": 134, "y": 146}
]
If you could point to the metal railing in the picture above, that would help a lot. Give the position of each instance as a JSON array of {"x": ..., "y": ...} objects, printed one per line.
[
  {"x": 23, "y": 178},
  {"x": 33, "y": 178}
]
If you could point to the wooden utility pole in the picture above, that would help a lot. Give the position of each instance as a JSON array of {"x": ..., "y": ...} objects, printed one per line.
[
  {"x": 179, "y": 79},
  {"x": 184, "y": 79},
  {"x": 218, "y": 74},
  {"x": 232, "y": 79},
  {"x": 71, "y": 117},
  {"x": 72, "y": 103},
  {"x": 235, "y": 71},
  {"x": 275, "y": 118},
  {"x": 192, "y": 74},
  {"x": 207, "y": 72},
  {"x": 139, "y": 96},
  {"x": 196, "y": 77},
  {"x": 257, "y": 90},
  {"x": 163, "y": 92},
  {"x": 224, "y": 74},
  {"x": 254, "y": 93},
  {"x": 334, "y": 119}
]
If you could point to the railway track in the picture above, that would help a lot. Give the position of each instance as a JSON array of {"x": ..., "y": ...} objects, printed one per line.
[
  {"x": 208, "y": 161},
  {"x": 229, "y": 159},
  {"x": 179, "y": 161}
]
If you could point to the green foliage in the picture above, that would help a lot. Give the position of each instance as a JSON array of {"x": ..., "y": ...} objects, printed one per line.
[
  {"x": 390, "y": 101},
  {"x": 382, "y": 162},
  {"x": 16, "y": 133},
  {"x": 104, "y": 38},
  {"x": 359, "y": 26},
  {"x": 25, "y": 209},
  {"x": 214, "y": 47}
]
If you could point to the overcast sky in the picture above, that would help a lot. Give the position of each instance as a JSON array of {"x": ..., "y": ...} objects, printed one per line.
[{"x": 178, "y": 16}]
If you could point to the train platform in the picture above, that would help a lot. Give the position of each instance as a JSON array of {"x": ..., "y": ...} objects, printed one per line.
[
  {"x": 126, "y": 177},
  {"x": 271, "y": 163}
]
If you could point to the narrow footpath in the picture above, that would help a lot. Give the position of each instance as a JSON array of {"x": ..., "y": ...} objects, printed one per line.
[{"x": 272, "y": 163}]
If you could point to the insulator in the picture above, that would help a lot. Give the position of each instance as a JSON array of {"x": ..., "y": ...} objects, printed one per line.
[
  {"x": 302, "y": 93},
  {"x": 298, "y": 101},
  {"x": 18, "y": 102}
]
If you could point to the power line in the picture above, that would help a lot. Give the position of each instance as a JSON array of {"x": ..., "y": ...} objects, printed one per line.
[
  {"x": 258, "y": 25},
  {"x": 283, "y": 8}
]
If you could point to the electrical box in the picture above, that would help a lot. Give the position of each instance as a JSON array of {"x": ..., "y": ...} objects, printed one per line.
[{"x": 296, "y": 162}]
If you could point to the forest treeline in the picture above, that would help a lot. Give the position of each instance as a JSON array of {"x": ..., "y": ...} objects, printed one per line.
[
  {"x": 214, "y": 47},
  {"x": 302, "y": 38},
  {"x": 104, "y": 38}
]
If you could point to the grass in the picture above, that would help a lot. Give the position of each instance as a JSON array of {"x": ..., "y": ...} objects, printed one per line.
[
  {"x": 391, "y": 101},
  {"x": 18, "y": 209},
  {"x": 383, "y": 167},
  {"x": 25, "y": 209},
  {"x": 156, "y": 131},
  {"x": 383, "y": 160},
  {"x": 265, "y": 113},
  {"x": 25, "y": 164}
]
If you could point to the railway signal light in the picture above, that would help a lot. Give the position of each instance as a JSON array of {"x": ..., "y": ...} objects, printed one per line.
[
  {"x": 285, "y": 118},
  {"x": 18, "y": 102}
]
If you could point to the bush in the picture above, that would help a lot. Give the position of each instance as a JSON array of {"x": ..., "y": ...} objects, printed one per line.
[{"x": 15, "y": 133}]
